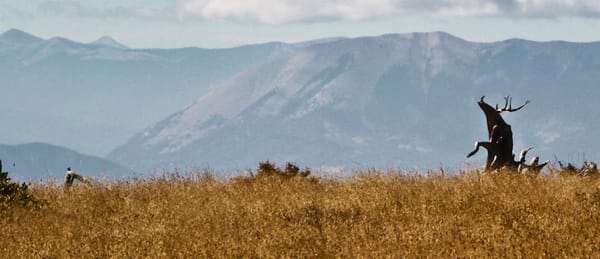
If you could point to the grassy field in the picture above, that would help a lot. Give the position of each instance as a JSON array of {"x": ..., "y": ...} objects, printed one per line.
[{"x": 372, "y": 215}]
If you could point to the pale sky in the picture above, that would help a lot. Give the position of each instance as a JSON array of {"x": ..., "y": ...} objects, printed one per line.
[{"x": 226, "y": 23}]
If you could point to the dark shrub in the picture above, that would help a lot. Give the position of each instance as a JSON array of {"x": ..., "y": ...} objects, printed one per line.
[
  {"x": 291, "y": 170},
  {"x": 13, "y": 193}
]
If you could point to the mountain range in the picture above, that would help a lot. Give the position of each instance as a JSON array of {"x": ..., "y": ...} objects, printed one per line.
[
  {"x": 39, "y": 161},
  {"x": 93, "y": 96},
  {"x": 397, "y": 100},
  {"x": 400, "y": 100}
]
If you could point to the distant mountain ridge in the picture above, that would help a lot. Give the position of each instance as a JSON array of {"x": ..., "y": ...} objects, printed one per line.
[
  {"x": 393, "y": 100},
  {"x": 107, "y": 41},
  {"x": 16, "y": 37},
  {"x": 92, "y": 97},
  {"x": 397, "y": 100},
  {"x": 39, "y": 161}
]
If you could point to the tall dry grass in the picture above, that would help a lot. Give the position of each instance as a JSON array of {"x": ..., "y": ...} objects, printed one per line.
[{"x": 369, "y": 215}]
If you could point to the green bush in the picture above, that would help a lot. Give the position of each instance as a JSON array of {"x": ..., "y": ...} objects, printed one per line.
[{"x": 13, "y": 193}]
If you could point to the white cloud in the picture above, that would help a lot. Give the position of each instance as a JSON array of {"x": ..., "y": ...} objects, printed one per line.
[
  {"x": 414, "y": 147},
  {"x": 547, "y": 136},
  {"x": 291, "y": 11},
  {"x": 79, "y": 9},
  {"x": 9, "y": 12},
  {"x": 283, "y": 11}
]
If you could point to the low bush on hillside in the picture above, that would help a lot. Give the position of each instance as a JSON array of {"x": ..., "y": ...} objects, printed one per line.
[
  {"x": 12, "y": 193},
  {"x": 266, "y": 169}
]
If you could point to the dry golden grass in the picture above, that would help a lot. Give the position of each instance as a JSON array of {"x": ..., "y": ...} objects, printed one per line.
[{"x": 370, "y": 215}]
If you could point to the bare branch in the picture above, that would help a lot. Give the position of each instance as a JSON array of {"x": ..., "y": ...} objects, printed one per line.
[
  {"x": 71, "y": 176},
  {"x": 508, "y": 105},
  {"x": 534, "y": 162},
  {"x": 523, "y": 155}
]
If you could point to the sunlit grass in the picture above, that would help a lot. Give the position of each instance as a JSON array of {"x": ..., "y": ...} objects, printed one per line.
[{"x": 369, "y": 215}]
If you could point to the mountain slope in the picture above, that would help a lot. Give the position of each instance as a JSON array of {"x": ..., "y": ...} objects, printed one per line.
[
  {"x": 107, "y": 41},
  {"x": 39, "y": 161},
  {"x": 396, "y": 100},
  {"x": 94, "y": 96},
  {"x": 15, "y": 38}
]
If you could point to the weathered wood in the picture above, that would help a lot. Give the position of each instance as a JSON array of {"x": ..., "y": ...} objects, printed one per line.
[
  {"x": 71, "y": 176},
  {"x": 500, "y": 140}
]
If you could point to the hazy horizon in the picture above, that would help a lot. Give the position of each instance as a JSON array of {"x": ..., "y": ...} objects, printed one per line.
[
  {"x": 221, "y": 24},
  {"x": 286, "y": 42}
]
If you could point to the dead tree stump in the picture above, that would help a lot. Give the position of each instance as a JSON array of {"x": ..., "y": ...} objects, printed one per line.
[{"x": 500, "y": 140}]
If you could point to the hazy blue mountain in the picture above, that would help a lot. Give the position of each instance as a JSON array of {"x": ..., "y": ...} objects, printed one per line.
[
  {"x": 16, "y": 38},
  {"x": 92, "y": 97},
  {"x": 107, "y": 41},
  {"x": 39, "y": 161},
  {"x": 402, "y": 100}
]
